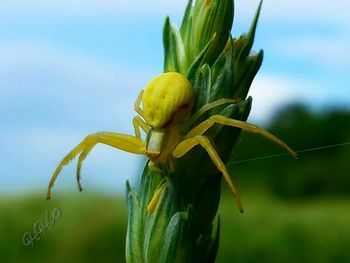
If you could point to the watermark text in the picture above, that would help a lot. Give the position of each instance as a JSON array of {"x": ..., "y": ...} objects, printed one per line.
[{"x": 41, "y": 226}]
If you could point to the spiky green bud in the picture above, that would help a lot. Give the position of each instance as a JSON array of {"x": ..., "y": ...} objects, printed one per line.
[{"x": 182, "y": 226}]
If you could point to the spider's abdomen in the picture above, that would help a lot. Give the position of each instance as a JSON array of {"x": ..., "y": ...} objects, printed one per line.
[{"x": 166, "y": 99}]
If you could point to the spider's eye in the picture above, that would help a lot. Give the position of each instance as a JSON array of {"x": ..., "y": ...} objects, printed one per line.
[{"x": 164, "y": 97}]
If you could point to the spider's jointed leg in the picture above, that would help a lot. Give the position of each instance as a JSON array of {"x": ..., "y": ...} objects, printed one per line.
[
  {"x": 137, "y": 104},
  {"x": 154, "y": 201},
  {"x": 82, "y": 157},
  {"x": 120, "y": 141},
  {"x": 186, "y": 145},
  {"x": 139, "y": 123},
  {"x": 223, "y": 120},
  {"x": 208, "y": 107}
]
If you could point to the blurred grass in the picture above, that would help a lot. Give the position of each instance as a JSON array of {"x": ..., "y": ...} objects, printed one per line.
[
  {"x": 92, "y": 229},
  {"x": 273, "y": 230}
]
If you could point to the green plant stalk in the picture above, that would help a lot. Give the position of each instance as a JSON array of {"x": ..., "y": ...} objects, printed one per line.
[{"x": 183, "y": 227}]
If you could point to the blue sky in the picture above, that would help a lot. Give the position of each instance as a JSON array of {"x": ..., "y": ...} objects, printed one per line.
[{"x": 70, "y": 68}]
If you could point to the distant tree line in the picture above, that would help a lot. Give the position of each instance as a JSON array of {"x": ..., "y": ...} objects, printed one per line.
[{"x": 323, "y": 171}]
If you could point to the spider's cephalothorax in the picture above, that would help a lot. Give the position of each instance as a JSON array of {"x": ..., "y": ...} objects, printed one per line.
[
  {"x": 165, "y": 117},
  {"x": 166, "y": 101}
]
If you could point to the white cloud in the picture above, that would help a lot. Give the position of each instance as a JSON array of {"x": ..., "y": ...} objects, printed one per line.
[
  {"x": 66, "y": 85},
  {"x": 326, "y": 52},
  {"x": 271, "y": 92}
]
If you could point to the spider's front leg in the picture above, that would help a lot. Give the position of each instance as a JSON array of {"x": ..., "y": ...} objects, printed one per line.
[
  {"x": 137, "y": 104},
  {"x": 186, "y": 145},
  {"x": 138, "y": 122},
  {"x": 120, "y": 141},
  {"x": 223, "y": 120}
]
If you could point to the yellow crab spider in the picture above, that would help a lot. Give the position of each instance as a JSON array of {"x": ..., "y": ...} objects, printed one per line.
[{"x": 165, "y": 117}]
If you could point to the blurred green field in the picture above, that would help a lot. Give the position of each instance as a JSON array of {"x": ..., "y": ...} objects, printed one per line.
[
  {"x": 272, "y": 230},
  {"x": 92, "y": 229}
]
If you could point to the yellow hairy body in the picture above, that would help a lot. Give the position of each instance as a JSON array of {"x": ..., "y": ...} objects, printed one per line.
[{"x": 165, "y": 98}]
